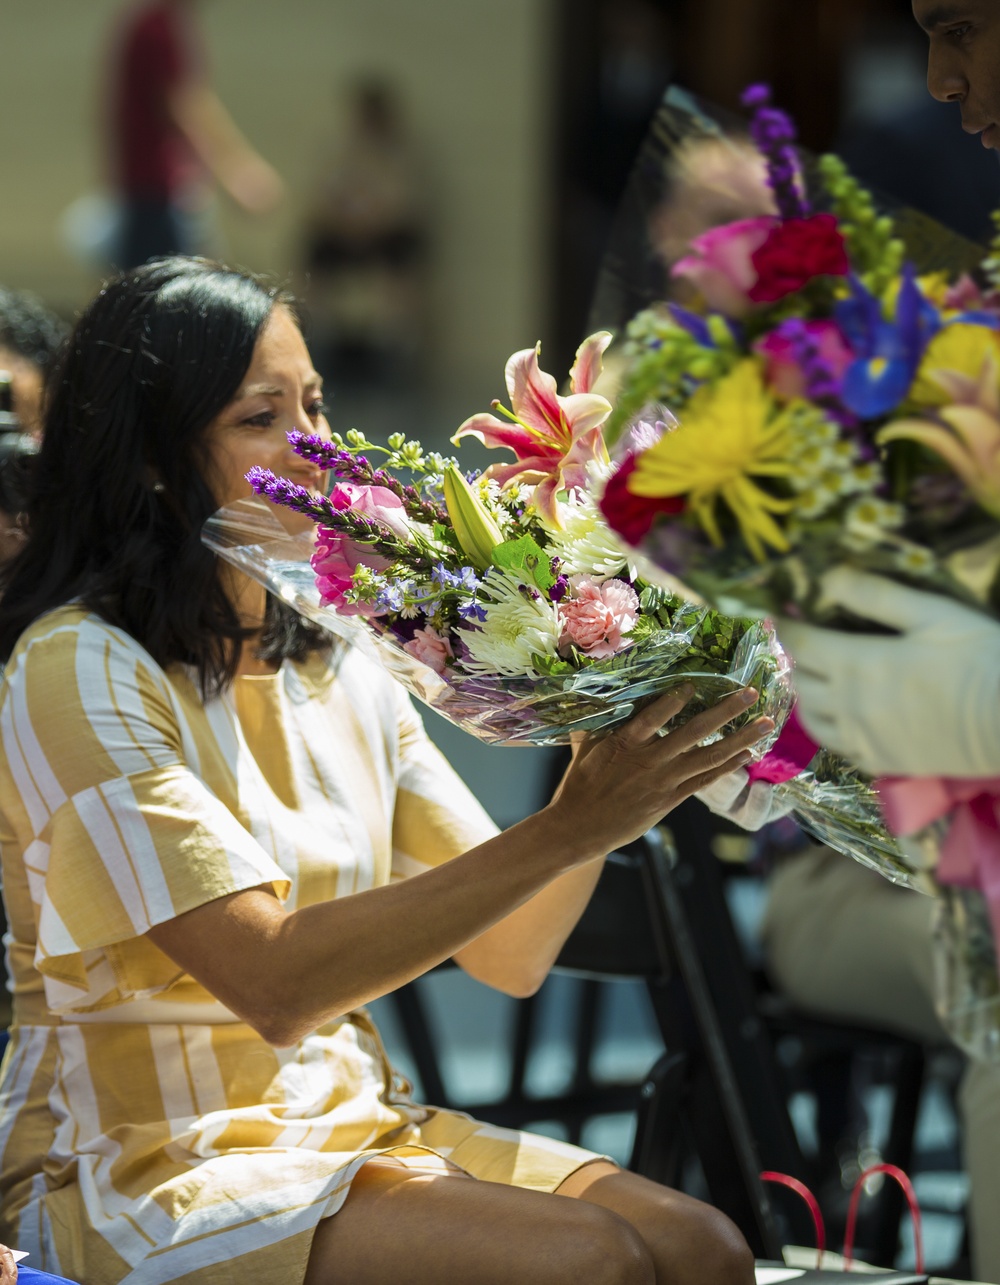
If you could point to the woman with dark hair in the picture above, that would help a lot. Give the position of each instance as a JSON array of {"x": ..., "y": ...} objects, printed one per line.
[{"x": 222, "y": 834}]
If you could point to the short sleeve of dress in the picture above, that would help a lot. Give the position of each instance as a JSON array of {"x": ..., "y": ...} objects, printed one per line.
[
  {"x": 117, "y": 832},
  {"x": 436, "y": 815}
]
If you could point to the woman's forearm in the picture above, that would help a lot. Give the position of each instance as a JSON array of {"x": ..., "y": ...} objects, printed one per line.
[
  {"x": 517, "y": 954},
  {"x": 287, "y": 973}
]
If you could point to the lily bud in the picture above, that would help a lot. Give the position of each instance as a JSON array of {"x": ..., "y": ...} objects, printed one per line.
[{"x": 477, "y": 532}]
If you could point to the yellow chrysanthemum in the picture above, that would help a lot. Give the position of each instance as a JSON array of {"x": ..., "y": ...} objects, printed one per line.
[
  {"x": 961, "y": 349},
  {"x": 732, "y": 432}
]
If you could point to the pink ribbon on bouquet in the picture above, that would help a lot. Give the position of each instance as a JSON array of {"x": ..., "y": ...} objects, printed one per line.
[
  {"x": 791, "y": 754},
  {"x": 970, "y": 854}
]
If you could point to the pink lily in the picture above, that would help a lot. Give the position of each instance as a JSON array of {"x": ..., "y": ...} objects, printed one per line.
[
  {"x": 968, "y": 440},
  {"x": 554, "y": 438}
]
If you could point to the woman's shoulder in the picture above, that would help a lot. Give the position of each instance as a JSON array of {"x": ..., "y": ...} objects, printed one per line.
[{"x": 65, "y": 641}]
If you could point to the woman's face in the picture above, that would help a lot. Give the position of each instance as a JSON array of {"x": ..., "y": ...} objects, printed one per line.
[{"x": 280, "y": 391}]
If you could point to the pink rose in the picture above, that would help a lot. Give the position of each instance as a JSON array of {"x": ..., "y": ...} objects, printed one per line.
[
  {"x": 721, "y": 266},
  {"x": 597, "y": 616},
  {"x": 783, "y": 372},
  {"x": 431, "y": 648},
  {"x": 376, "y": 503},
  {"x": 334, "y": 561}
]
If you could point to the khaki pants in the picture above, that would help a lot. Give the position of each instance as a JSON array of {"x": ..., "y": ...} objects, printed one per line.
[{"x": 843, "y": 941}]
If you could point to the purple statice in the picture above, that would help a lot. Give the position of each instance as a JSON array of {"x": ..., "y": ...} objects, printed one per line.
[
  {"x": 773, "y": 132},
  {"x": 360, "y": 470}
]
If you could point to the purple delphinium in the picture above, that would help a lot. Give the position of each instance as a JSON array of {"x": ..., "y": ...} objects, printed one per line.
[
  {"x": 344, "y": 521},
  {"x": 360, "y": 470},
  {"x": 773, "y": 131}
]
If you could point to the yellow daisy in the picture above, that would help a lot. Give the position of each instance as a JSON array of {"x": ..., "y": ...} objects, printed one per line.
[{"x": 732, "y": 432}]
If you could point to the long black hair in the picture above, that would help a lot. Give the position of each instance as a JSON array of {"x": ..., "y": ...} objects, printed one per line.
[{"x": 151, "y": 362}]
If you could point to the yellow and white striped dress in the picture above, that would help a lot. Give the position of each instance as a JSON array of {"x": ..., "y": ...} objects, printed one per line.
[{"x": 146, "y": 1134}]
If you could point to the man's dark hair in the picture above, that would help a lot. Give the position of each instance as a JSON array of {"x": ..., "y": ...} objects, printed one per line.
[
  {"x": 30, "y": 329},
  {"x": 151, "y": 362}
]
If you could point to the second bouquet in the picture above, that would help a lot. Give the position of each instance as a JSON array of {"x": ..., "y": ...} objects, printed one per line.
[{"x": 501, "y": 598}]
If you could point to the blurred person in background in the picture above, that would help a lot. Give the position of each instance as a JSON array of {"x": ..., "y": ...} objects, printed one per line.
[
  {"x": 168, "y": 133},
  {"x": 366, "y": 244},
  {"x": 31, "y": 336},
  {"x": 30, "y": 339}
]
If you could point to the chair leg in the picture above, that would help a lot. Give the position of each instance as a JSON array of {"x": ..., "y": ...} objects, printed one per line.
[
  {"x": 413, "y": 1019},
  {"x": 890, "y": 1207},
  {"x": 656, "y": 1151}
]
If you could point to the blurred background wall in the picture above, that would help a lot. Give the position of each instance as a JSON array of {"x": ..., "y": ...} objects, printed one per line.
[{"x": 472, "y": 78}]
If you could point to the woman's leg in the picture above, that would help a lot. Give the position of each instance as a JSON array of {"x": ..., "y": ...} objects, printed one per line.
[
  {"x": 415, "y": 1228},
  {"x": 689, "y": 1242},
  {"x": 619, "y": 1229}
]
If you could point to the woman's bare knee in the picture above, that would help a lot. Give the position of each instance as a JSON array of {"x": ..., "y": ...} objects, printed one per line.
[
  {"x": 413, "y": 1228},
  {"x": 690, "y": 1243}
]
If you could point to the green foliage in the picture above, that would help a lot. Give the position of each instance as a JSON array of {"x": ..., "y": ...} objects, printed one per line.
[
  {"x": 875, "y": 250},
  {"x": 991, "y": 264},
  {"x": 525, "y": 559},
  {"x": 666, "y": 364}
]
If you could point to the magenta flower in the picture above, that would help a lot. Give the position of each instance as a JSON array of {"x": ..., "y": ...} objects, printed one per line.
[
  {"x": 783, "y": 357},
  {"x": 598, "y": 616},
  {"x": 430, "y": 648},
  {"x": 334, "y": 561},
  {"x": 554, "y": 438},
  {"x": 337, "y": 556},
  {"x": 721, "y": 266}
]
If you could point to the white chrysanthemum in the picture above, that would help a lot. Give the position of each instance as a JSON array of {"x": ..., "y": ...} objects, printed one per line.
[
  {"x": 586, "y": 545},
  {"x": 517, "y": 627}
]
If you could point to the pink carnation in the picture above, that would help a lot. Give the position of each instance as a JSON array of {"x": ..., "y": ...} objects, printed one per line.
[
  {"x": 431, "y": 648},
  {"x": 597, "y": 616},
  {"x": 720, "y": 265}
]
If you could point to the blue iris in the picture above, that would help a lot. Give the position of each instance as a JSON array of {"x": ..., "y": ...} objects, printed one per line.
[{"x": 888, "y": 352}]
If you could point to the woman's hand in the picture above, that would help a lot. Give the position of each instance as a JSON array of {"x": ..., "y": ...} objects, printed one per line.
[
  {"x": 8, "y": 1268},
  {"x": 620, "y": 785}
]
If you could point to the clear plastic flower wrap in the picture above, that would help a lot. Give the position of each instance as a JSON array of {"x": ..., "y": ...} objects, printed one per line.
[{"x": 715, "y": 654}]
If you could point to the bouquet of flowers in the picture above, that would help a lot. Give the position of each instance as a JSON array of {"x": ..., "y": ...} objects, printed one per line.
[
  {"x": 502, "y": 599},
  {"x": 834, "y": 406}
]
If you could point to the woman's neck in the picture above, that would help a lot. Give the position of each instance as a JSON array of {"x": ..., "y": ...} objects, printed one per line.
[{"x": 250, "y": 600}]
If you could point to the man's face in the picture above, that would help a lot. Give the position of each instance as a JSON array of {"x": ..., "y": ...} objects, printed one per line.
[
  {"x": 963, "y": 65},
  {"x": 964, "y": 61}
]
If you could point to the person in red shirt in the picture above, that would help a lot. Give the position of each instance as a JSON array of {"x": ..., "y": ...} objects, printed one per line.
[{"x": 169, "y": 133}]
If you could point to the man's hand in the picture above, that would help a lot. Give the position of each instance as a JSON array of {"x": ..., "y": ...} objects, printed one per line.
[{"x": 925, "y": 702}]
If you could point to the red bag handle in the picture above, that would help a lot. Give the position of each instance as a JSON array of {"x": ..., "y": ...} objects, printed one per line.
[
  {"x": 800, "y": 1189},
  {"x": 893, "y": 1171}
]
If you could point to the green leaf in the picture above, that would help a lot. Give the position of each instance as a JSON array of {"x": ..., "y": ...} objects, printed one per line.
[
  {"x": 525, "y": 558},
  {"x": 552, "y": 665}
]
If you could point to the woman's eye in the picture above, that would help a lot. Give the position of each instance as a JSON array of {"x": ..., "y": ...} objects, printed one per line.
[
  {"x": 317, "y": 408},
  {"x": 959, "y": 33},
  {"x": 263, "y": 420}
]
